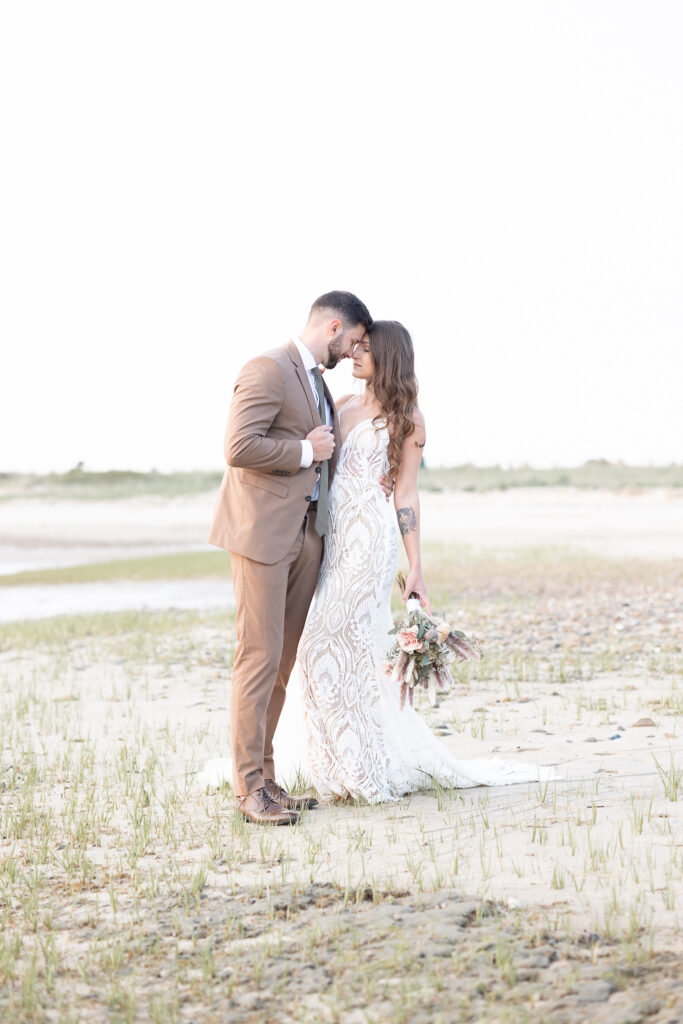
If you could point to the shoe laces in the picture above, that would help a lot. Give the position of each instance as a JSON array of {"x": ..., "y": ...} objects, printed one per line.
[
  {"x": 267, "y": 798},
  {"x": 278, "y": 789}
]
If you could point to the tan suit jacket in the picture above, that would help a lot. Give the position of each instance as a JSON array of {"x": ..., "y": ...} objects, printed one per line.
[{"x": 264, "y": 494}]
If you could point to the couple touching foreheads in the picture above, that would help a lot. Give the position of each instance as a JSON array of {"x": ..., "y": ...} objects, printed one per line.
[{"x": 304, "y": 511}]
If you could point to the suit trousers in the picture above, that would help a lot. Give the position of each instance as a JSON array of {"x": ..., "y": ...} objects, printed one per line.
[{"x": 272, "y": 602}]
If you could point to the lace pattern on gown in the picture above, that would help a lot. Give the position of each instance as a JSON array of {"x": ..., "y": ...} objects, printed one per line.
[{"x": 359, "y": 741}]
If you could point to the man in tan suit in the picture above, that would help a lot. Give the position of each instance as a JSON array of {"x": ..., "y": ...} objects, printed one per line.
[{"x": 281, "y": 448}]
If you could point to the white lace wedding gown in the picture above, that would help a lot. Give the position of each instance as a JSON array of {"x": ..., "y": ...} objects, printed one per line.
[
  {"x": 359, "y": 740},
  {"x": 353, "y": 738}
]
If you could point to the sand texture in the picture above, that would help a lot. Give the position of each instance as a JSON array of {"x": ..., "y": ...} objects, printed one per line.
[{"x": 130, "y": 893}]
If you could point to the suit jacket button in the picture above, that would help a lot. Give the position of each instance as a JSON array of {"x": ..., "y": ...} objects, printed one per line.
[
  {"x": 317, "y": 469},
  {"x": 307, "y": 498}
]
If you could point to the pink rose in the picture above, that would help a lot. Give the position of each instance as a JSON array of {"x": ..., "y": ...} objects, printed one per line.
[{"x": 407, "y": 640}]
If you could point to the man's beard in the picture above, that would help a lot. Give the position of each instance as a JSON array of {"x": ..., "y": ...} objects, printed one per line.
[{"x": 334, "y": 353}]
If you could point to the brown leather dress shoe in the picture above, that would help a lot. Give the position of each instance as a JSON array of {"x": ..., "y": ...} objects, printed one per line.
[
  {"x": 260, "y": 808},
  {"x": 292, "y": 803}
]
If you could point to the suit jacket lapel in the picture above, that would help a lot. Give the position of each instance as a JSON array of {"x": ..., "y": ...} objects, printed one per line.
[{"x": 303, "y": 380}]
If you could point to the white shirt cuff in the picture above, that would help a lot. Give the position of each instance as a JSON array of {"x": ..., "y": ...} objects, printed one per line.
[{"x": 306, "y": 454}]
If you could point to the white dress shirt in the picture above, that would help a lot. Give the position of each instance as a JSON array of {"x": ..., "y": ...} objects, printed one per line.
[{"x": 310, "y": 364}]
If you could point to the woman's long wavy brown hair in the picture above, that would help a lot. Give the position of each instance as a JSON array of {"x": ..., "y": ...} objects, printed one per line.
[{"x": 394, "y": 383}]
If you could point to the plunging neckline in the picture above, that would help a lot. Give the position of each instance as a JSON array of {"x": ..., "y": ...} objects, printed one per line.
[{"x": 368, "y": 419}]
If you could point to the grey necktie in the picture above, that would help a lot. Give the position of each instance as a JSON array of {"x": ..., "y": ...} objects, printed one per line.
[{"x": 321, "y": 517}]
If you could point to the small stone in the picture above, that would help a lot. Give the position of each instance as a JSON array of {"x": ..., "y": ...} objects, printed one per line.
[
  {"x": 465, "y": 910},
  {"x": 642, "y": 723},
  {"x": 595, "y": 992},
  {"x": 547, "y": 951},
  {"x": 535, "y": 960},
  {"x": 617, "y": 736},
  {"x": 591, "y": 739},
  {"x": 522, "y": 974},
  {"x": 251, "y": 1001},
  {"x": 277, "y": 969},
  {"x": 441, "y": 949},
  {"x": 445, "y": 934}
]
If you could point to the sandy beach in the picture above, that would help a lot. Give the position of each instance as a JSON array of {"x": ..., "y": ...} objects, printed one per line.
[
  {"x": 132, "y": 892},
  {"x": 647, "y": 523}
]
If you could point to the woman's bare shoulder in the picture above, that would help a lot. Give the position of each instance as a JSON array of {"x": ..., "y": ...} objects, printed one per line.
[
  {"x": 419, "y": 435},
  {"x": 341, "y": 402}
]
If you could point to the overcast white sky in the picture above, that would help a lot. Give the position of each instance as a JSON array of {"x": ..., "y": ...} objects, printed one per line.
[{"x": 181, "y": 180}]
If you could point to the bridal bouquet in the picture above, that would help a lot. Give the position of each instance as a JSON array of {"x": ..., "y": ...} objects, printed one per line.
[{"x": 423, "y": 648}]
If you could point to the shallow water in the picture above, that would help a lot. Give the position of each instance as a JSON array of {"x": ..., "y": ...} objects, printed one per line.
[{"x": 41, "y": 602}]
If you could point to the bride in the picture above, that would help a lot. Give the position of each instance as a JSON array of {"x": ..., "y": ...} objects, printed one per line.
[{"x": 359, "y": 742}]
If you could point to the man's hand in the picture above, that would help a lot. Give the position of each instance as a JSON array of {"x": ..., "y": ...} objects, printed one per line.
[
  {"x": 322, "y": 440},
  {"x": 415, "y": 582},
  {"x": 387, "y": 485}
]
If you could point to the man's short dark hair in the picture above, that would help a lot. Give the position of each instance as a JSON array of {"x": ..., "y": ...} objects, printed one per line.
[{"x": 350, "y": 309}]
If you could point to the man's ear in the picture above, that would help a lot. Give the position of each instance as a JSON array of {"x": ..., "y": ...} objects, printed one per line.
[{"x": 333, "y": 326}]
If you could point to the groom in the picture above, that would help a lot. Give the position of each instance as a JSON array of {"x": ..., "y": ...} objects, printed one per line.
[{"x": 281, "y": 448}]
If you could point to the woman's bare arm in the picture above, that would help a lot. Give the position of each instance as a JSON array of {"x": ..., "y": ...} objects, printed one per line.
[{"x": 407, "y": 505}]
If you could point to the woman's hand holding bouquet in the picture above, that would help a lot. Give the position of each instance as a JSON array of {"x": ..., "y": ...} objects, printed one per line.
[{"x": 423, "y": 649}]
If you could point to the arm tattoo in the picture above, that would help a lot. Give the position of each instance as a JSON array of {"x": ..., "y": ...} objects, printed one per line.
[{"x": 407, "y": 520}]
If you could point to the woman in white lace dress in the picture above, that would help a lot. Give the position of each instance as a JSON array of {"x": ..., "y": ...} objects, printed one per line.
[{"x": 360, "y": 743}]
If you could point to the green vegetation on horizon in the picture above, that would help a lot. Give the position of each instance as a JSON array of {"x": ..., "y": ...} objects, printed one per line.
[
  {"x": 83, "y": 485},
  {"x": 591, "y": 475}
]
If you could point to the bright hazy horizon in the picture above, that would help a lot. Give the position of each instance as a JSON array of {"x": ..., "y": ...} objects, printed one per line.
[{"x": 183, "y": 180}]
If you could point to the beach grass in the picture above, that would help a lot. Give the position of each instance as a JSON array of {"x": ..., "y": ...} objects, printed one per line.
[
  {"x": 447, "y": 567},
  {"x": 128, "y": 892},
  {"x": 184, "y": 565},
  {"x": 129, "y": 631}
]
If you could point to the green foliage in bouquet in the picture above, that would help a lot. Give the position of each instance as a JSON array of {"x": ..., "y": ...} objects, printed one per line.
[{"x": 423, "y": 649}]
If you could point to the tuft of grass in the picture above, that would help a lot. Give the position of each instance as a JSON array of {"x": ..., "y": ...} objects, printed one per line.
[
  {"x": 138, "y": 626},
  {"x": 672, "y": 779}
]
